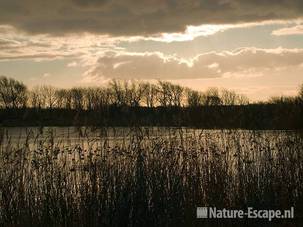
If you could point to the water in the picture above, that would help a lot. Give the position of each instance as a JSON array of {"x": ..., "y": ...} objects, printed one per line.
[
  {"x": 78, "y": 134},
  {"x": 85, "y": 136}
]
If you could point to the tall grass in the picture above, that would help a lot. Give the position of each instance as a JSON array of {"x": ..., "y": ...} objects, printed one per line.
[{"x": 143, "y": 179}]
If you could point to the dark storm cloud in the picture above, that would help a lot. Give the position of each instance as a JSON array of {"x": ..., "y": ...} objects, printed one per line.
[{"x": 138, "y": 17}]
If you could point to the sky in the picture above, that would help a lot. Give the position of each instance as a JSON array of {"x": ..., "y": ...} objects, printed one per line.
[{"x": 254, "y": 47}]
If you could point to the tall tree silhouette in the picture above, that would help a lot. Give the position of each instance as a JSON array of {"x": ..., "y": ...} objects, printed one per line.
[{"x": 13, "y": 94}]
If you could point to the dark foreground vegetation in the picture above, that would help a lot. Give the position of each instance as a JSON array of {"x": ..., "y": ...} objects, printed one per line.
[
  {"x": 124, "y": 103},
  {"x": 149, "y": 181}
]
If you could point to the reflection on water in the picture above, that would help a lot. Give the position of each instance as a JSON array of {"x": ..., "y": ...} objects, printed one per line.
[{"x": 86, "y": 136}]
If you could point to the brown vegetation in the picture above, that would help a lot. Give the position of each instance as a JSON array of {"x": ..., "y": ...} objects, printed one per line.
[{"x": 144, "y": 180}]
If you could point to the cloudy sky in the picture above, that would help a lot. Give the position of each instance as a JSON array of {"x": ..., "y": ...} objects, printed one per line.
[{"x": 252, "y": 46}]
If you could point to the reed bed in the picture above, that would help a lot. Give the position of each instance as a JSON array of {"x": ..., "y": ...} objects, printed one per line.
[{"x": 140, "y": 179}]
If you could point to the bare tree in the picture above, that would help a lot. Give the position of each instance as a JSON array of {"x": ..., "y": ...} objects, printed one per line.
[
  {"x": 49, "y": 94},
  {"x": 13, "y": 94},
  {"x": 176, "y": 94},
  {"x": 194, "y": 98},
  {"x": 36, "y": 98},
  {"x": 212, "y": 97},
  {"x": 77, "y": 99},
  {"x": 127, "y": 93},
  {"x": 164, "y": 94},
  {"x": 149, "y": 94},
  {"x": 106, "y": 97},
  {"x": 63, "y": 98},
  {"x": 242, "y": 99},
  {"x": 59, "y": 98},
  {"x": 96, "y": 98},
  {"x": 282, "y": 100},
  {"x": 90, "y": 96},
  {"x": 118, "y": 92},
  {"x": 135, "y": 92},
  {"x": 43, "y": 97},
  {"x": 228, "y": 97}
]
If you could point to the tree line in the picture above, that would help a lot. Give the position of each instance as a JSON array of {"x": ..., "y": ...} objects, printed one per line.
[
  {"x": 14, "y": 94},
  {"x": 135, "y": 103}
]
